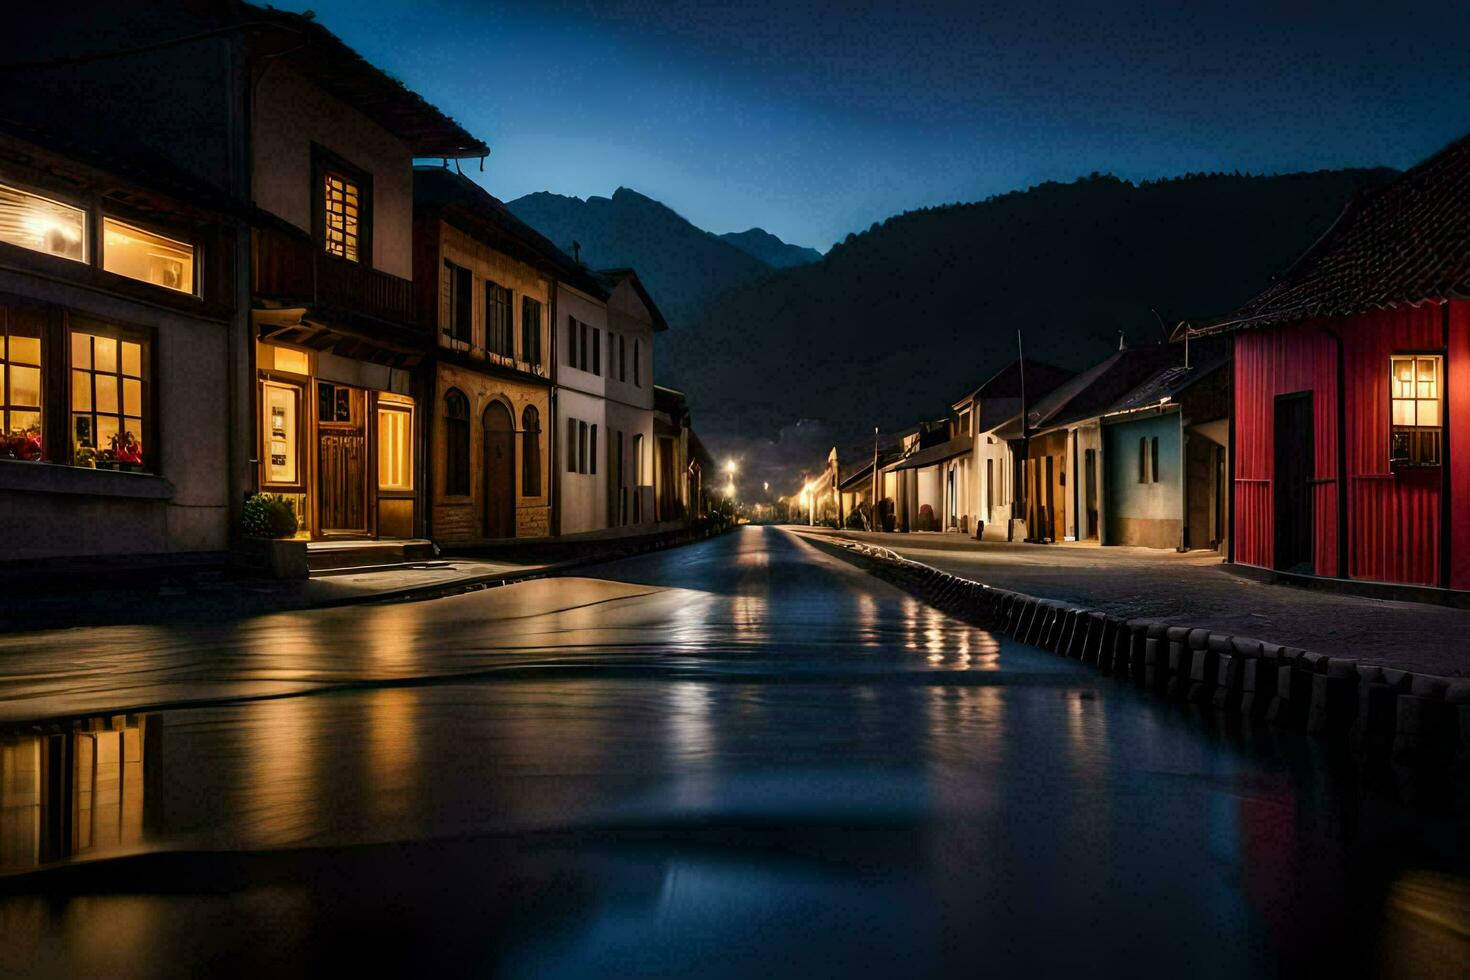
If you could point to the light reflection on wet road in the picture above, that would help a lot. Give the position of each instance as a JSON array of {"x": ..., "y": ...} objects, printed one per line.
[{"x": 738, "y": 758}]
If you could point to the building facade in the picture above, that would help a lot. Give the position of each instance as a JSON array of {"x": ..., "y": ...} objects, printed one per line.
[
  {"x": 341, "y": 397},
  {"x": 116, "y": 307},
  {"x": 492, "y": 287},
  {"x": 1351, "y": 378},
  {"x": 632, "y": 321}
]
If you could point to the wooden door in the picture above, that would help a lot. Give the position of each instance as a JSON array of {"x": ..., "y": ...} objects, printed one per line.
[
  {"x": 341, "y": 460},
  {"x": 1292, "y": 483},
  {"x": 499, "y": 482}
]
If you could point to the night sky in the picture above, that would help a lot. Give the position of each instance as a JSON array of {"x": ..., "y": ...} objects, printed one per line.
[{"x": 816, "y": 120}]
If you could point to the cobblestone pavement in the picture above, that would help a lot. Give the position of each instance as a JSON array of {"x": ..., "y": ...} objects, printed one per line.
[{"x": 1195, "y": 589}]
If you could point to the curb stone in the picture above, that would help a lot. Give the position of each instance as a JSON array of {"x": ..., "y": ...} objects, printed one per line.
[{"x": 1420, "y": 722}]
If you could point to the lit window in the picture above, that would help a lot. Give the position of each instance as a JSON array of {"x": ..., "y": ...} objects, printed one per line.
[
  {"x": 395, "y": 448},
  {"x": 342, "y": 202},
  {"x": 147, "y": 257},
  {"x": 42, "y": 225},
  {"x": 281, "y": 404},
  {"x": 106, "y": 401},
  {"x": 20, "y": 392},
  {"x": 1414, "y": 392}
]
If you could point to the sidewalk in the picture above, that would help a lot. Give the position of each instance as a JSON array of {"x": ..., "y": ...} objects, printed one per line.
[
  {"x": 1194, "y": 589},
  {"x": 204, "y": 596}
]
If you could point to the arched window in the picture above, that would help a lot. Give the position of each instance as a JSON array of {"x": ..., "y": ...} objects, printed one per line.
[
  {"x": 456, "y": 444},
  {"x": 530, "y": 452},
  {"x": 637, "y": 365}
]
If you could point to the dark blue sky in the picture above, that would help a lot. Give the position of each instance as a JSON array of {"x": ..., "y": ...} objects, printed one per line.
[{"x": 816, "y": 120}]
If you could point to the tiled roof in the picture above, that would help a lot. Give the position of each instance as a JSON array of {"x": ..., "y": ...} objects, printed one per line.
[
  {"x": 440, "y": 187},
  {"x": 1169, "y": 382},
  {"x": 321, "y": 56},
  {"x": 1404, "y": 242}
]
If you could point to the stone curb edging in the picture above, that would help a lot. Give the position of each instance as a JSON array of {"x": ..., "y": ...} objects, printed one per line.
[{"x": 1418, "y": 724}]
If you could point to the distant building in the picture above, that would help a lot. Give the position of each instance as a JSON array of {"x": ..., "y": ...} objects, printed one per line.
[
  {"x": 1062, "y": 476},
  {"x": 488, "y": 284},
  {"x": 632, "y": 320},
  {"x": 1164, "y": 456},
  {"x": 986, "y": 477},
  {"x": 1351, "y": 384}
]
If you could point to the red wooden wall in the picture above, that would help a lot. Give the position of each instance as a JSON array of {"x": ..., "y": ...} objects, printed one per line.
[
  {"x": 1393, "y": 520},
  {"x": 1279, "y": 362}
]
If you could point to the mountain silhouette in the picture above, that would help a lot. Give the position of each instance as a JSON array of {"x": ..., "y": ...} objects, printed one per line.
[
  {"x": 683, "y": 266},
  {"x": 770, "y": 249},
  {"x": 898, "y": 321}
]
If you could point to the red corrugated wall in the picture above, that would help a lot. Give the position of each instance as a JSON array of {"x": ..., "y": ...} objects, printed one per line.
[
  {"x": 1393, "y": 520},
  {"x": 1458, "y": 377},
  {"x": 1279, "y": 362}
]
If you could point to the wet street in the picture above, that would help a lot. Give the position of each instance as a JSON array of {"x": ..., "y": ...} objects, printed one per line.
[{"x": 745, "y": 757}]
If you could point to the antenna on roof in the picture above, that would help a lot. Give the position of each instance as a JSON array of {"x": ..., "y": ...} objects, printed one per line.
[{"x": 1122, "y": 340}]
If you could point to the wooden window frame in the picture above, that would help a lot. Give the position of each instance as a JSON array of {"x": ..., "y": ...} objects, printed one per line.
[
  {"x": 303, "y": 425},
  {"x": 1415, "y": 438},
  {"x": 324, "y": 162},
  {"x": 75, "y": 323},
  {"x": 43, "y": 386},
  {"x": 454, "y": 491},
  {"x": 196, "y": 251},
  {"x": 531, "y": 330},
  {"x": 459, "y": 316},
  {"x": 530, "y": 451},
  {"x": 381, "y": 406},
  {"x": 500, "y": 300}
]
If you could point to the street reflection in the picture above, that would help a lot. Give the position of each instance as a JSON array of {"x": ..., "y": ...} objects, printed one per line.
[{"x": 76, "y": 793}]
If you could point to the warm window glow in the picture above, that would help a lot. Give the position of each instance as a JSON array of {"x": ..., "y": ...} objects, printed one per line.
[
  {"x": 281, "y": 406},
  {"x": 42, "y": 225},
  {"x": 342, "y": 201},
  {"x": 395, "y": 449},
  {"x": 20, "y": 394},
  {"x": 106, "y": 400},
  {"x": 294, "y": 361},
  {"x": 1414, "y": 390},
  {"x": 147, "y": 257}
]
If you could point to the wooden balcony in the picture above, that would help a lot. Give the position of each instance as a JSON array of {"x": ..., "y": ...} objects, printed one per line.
[{"x": 291, "y": 269}]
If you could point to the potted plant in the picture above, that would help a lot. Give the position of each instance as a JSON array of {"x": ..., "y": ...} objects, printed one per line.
[{"x": 268, "y": 524}]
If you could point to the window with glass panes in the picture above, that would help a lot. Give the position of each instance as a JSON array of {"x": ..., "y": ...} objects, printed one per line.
[
  {"x": 1414, "y": 393},
  {"x": 530, "y": 330},
  {"x": 20, "y": 390},
  {"x": 341, "y": 212},
  {"x": 107, "y": 408},
  {"x": 499, "y": 340}
]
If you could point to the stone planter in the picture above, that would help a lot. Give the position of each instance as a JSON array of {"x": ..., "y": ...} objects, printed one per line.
[{"x": 282, "y": 558}]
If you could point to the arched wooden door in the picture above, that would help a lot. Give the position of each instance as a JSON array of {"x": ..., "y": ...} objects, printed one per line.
[{"x": 499, "y": 472}]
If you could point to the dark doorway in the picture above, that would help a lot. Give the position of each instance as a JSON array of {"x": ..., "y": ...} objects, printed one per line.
[
  {"x": 1292, "y": 488},
  {"x": 500, "y": 472},
  {"x": 989, "y": 490},
  {"x": 341, "y": 460},
  {"x": 1089, "y": 491}
]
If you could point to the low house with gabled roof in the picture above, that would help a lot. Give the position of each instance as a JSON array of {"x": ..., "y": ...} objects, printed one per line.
[{"x": 1351, "y": 387}]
